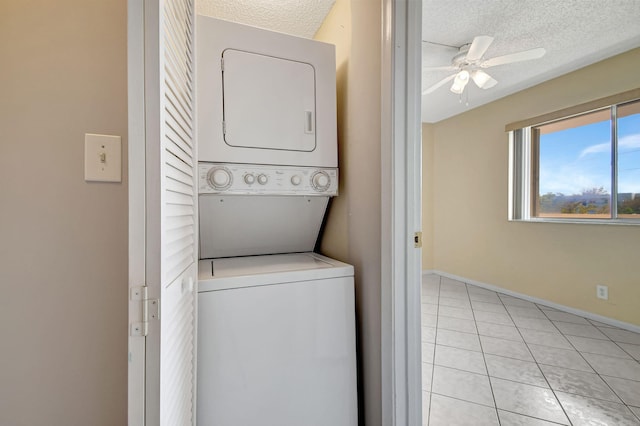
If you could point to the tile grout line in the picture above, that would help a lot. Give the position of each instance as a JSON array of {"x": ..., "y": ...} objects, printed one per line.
[
  {"x": 484, "y": 358},
  {"x": 532, "y": 417},
  {"x": 630, "y": 357},
  {"x": 433, "y": 361},
  {"x": 589, "y": 364},
  {"x": 464, "y": 400},
  {"x": 624, "y": 350},
  {"x": 566, "y": 368},
  {"x": 553, "y": 322},
  {"x": 536, "y": 361},
  {"x": 545, "y": 316}
]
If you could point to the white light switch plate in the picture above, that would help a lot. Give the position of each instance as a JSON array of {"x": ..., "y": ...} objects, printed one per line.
[{"x": 102, "y": 158}]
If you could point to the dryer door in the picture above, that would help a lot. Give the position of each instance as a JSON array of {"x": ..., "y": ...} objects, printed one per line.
[{"x": 265, "y": 95}]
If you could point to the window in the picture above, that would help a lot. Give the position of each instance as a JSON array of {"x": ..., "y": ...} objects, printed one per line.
[{"x": 583, "y": 167}]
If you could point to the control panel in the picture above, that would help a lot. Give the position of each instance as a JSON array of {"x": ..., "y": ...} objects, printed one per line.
[{"x": 228, "y": 178}]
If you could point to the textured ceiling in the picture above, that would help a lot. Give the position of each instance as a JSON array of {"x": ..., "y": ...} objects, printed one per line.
[
  {"x": 297, "y": 17},
  {"x": 575, "y": 33}
]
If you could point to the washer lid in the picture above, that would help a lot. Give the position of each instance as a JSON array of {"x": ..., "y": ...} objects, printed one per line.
[{"x": 249, "y": 271}]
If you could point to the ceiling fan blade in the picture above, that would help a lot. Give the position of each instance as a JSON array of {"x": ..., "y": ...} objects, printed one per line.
[
  {"x": 442, "y": 68},
  {"x": 483, "y": 80},
  {"x": 438, "y": 84},
  {"x": 514, "y": 57},
  {"x": 479, "y": 47}
]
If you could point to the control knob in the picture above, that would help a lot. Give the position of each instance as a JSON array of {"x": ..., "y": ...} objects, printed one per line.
[
  {"x": 262, "y": 179},
  {"x": 249, "y": 179},
  {"x": 296, "y": 180},
  {"x": 320, "y": 181},
  {"x": 220, "y": 178}
]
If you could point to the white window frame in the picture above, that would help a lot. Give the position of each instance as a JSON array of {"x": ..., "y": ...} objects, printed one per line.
[{"x": 521, "y": 164}]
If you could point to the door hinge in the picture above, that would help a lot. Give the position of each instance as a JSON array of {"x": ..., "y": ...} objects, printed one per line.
[
  {"x": 150, "y": 311},
  {"x": 417, "y": 239}
]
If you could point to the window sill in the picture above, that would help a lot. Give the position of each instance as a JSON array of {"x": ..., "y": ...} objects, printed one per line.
[{"x": 624, "y": 222}]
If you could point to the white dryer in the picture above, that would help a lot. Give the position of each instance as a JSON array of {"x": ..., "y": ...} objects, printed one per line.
[
  {"x": 276, "y": 342},
  {"x": 264, "y": 97}
]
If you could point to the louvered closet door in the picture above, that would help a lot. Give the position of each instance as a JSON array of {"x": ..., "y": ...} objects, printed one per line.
[
  {"x": 179, "y": 254},
  {"x": 171, "y": 242}
]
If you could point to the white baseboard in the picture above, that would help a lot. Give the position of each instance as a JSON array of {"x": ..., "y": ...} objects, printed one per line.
[{"x": 605, "y": 320}]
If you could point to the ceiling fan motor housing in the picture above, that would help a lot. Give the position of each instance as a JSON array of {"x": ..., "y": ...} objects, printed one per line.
[{"x": 460, "y": 59}]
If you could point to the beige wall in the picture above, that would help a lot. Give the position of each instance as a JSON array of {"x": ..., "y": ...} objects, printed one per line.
[
  {"x": 427, "y": 196},
  {"x": 472, "y": 238},
  {"x": 353, "y": 227},
  {"x": 63, "y": 242},
  {"x": 336, "y": 29}
]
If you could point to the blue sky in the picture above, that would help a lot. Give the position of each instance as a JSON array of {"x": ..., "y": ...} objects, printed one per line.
[{"x": 576, "y": 159}]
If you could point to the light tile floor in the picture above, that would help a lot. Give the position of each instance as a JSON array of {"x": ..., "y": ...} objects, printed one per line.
[{"x": 493, "y": 359}]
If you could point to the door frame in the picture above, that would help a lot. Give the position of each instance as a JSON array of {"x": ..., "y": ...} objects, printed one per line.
[
  {"x": 137, "y": 202},
  {"x": 401, "y": 187},
  {"x": 401, "y": 208}
]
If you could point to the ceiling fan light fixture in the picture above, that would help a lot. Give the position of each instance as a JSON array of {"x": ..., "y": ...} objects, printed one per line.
[
  {"x": 457, "y": 89},
  {"x": 482, "y": 79},
  {"x": 460, "y": 82},
  {"x": 463, "y": 76}
]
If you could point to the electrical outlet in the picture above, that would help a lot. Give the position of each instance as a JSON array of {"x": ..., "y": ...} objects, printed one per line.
[{"x": 602, "y": 291}]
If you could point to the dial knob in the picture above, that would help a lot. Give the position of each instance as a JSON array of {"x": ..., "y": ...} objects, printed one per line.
[
  {"x": 262, "y": 179},
  {"x": 220, "y": 178},
  {"x": 249, "y": 179},
  {"x": 296, "y": 180},
  {"x": 320, "y": 181}
]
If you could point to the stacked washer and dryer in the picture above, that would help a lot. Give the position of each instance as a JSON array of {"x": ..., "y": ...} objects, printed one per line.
[{"x": 276, "y": 321}]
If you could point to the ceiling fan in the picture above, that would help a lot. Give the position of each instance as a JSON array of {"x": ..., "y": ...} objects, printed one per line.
[{"x": 469, "y": 63}]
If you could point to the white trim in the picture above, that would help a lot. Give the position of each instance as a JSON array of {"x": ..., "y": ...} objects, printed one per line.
[
  {"x": 413, "y": 176},
  {"x": 387, "y": 245},
  {"x": 605, "y": 320},
  {"x": 617, "y": 222},
  {"x": 153, "y": 188},
  {"x": 401, "y": 212},
  {"x": 137, "y": 231}
]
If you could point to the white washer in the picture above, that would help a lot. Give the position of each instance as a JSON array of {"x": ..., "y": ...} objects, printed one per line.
[
  {"x": 264, "y": 97},
  {"x": 276, "y": 341}
]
